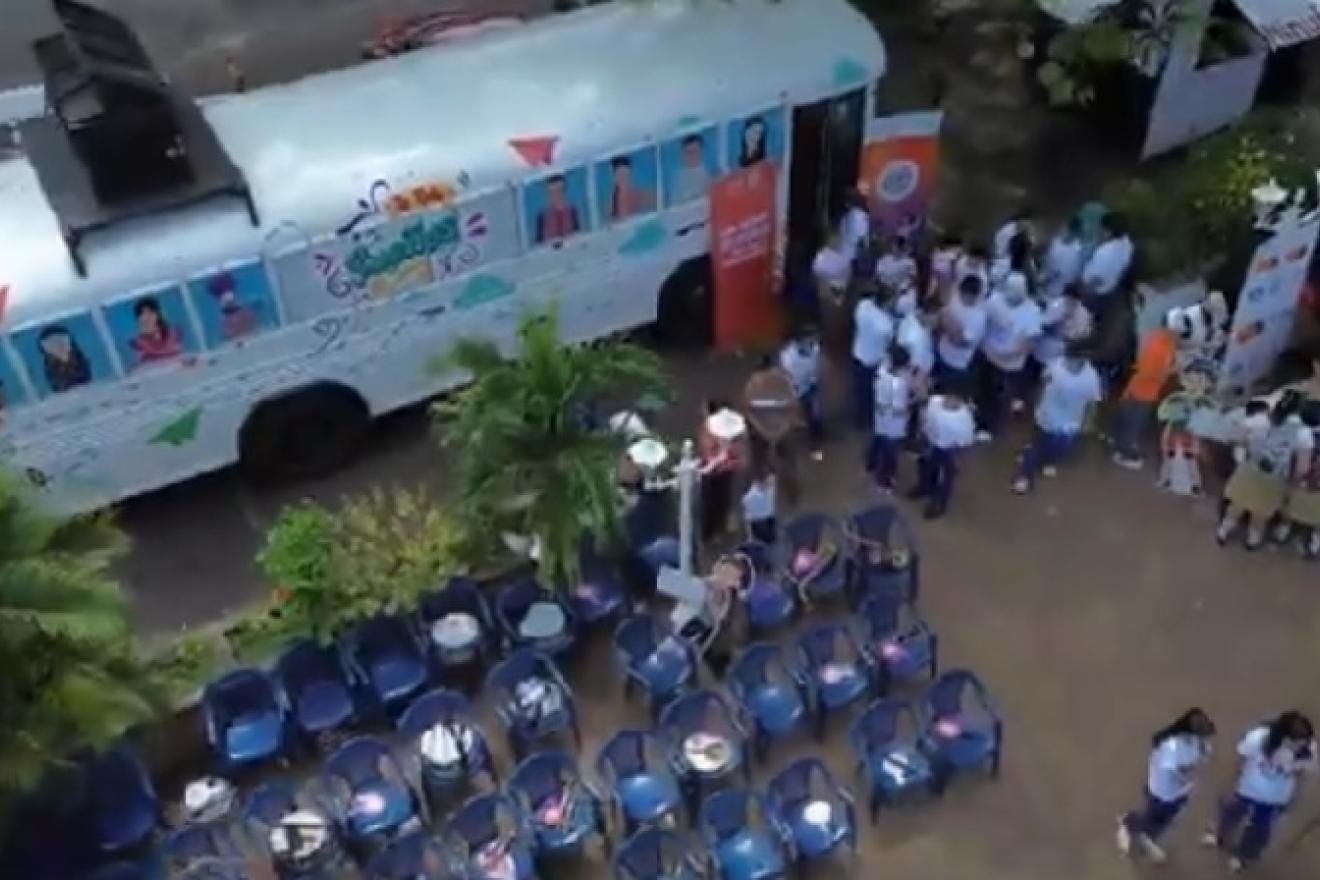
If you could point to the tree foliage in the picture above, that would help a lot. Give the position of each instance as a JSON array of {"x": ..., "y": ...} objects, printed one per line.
[{"x": 526, "y": 459}]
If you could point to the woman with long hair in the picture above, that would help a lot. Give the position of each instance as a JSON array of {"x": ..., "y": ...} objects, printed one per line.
[{"x": 1178, "y": 751}]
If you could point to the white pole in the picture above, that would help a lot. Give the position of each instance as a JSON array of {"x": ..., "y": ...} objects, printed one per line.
[{"x": 687, "y": 484}]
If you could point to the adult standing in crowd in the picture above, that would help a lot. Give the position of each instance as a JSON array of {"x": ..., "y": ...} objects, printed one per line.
[
  {"x": 721, "y": 459},
  {"x": 948, "y": 428},
  {"x": 962, "y": 328},
  {"x": 1178, "y": 753},
  {"x": 873, "y": 333},
  {"x": 855, "y": 224},
  {"x": 1156, "y": 360},
  {"x": 1071, "y": 387},
  {"x": 800, "y": 360},
  {"x": 832, "y": 270},
  {"x": 1013, "y": 326},
  {"x": 1106, "y": 270},
  {"x": 1063, "y": 261}
]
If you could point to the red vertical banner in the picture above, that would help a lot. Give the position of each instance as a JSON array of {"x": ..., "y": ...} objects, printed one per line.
[{"x": 742, "y": 223}]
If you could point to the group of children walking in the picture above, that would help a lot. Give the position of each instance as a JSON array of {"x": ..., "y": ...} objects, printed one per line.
[{"x": 1271, "y": 760}]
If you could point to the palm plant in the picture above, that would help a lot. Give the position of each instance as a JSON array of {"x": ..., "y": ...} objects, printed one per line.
[
  {"x": 526, "y": 459},
  {"x": 71, "y": 677}
]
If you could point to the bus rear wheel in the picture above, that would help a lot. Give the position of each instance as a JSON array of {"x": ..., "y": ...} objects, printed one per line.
[
  {"x": 686, "y": 312},
  {"x": 306, "y": 434}
]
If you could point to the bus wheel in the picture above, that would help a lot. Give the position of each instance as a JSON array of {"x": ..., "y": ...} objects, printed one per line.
[
  {"x": 308, "y": 433},
  {"x": 687, "y": 305}
]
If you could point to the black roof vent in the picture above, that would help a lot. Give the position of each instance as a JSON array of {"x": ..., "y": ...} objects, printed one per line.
[{"x": 118, "y": 141}]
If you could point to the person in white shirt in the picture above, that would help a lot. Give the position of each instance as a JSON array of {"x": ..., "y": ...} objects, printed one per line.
[
  {"x": 896, "y": 269},
  {"x": 1178, "y": 753},
  {"x": 915, "y": 334},
  {"x": 1065, "y": 320},
  {"x": 1071, "y": 387},
  {"x": 1063, "y": 261},
  {"x": 1013, "y": 326},
  {"x": 758, "y": 507},
  {"x": 1020, "y": 224},
  {"x": 832, "y": 269},
  {"x": 1108, "y": 266},
  {"x": 944, "y": 267},
  {"x": 1275, "y": 445},
  {"x": 962, "y": 326},
  {"x": 893, "y": 403},
  {"x": 974, "y": 262},
  {"x": 800, "y": 359},
  {"x": 1272, "y": 760},
  {"x": 873, "y": 333},
  {"x": 854, "y": 225},
  {"x": 948, "y": 427}
]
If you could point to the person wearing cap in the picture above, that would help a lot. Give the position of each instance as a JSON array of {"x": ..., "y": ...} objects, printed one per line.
[{"x": 1012, "y": 328}]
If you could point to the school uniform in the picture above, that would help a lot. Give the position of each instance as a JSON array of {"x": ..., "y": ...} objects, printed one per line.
[
  {"x": 872, "y": 334},
  {"x": 1170, "y": 777},
  {"x": 1060, "y": 416},
  {"x": 896, "y": 271},
  {"x": 943, "y": 271},
  {"x": 1063, "y": 266},
  {"x": 893, "y": 401},
  {"x": 1062, "y": 322},
  {"x": 947, "y": 432},
  {"x": 1303, "y": 505},
  {"x": 1259, "y": 484},
  {"x": 1011, "y": 332},
  {"x": 758, "y": 507},
  {"x": 802, "y": 364},
  {"x": 1265, "y": 788},
  {"x": 963, "y": 328}
]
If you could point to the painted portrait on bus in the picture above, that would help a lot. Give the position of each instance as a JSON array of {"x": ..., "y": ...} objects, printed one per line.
[
  {"x": 63, "y": 354},
  {"x": 233, "y": 303},
  {"x": 756, "y": 138},
  {"x": 690, "y": 162},
  {"x": 556, "y": 206},
  {"x": 626, "y": 185},
  {"x": 11, "y": 386},
  {"x": 151, "y": 328}
]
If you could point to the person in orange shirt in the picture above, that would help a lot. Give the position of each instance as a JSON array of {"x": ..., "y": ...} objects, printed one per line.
[{"x": 1136, "y": 409}]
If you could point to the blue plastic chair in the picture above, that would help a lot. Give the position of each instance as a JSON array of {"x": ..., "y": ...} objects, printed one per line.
[
  {"x": 886, "y": 739},
  {"x": 743, "y": 839},
  {"x": 265, "y": 808},
  {"x": 316, "y": 687},
  {"x": 532, "y": 700},
  {"x": 116, "y": 871},
  {"x": 964, "y": 729},
  {"x": 643, "y": 790},
  {"x": 814, "y": 813},
  {"x": 370, "y": 793},
  {"x": 203, "y": 850},
  {"x": 386, "y": 659},
  {"x": 655, "y": 660},
  {"x": 839, "y": 668},
  {"x": 473, "y": 757},
  {"x": 773, "y": 692},
  {"x": 707, "y": 716},
  {"x": 415, "y": 856},
  {"x": 768, "y": 599},
  {"x": 563, "y": 809},
  {"x": 459, "y": 595},
  {"x": 245, "y": 719},
  {"x": 490, "y": 829},
  {"x": 902, "y": 644},
  {"x": 123, "y": 807},
  {"x": 816, "y": 552},
  {"x": 882, "y": 554},
  {"x": 598, "y": 596},
  {"x": 660, "y": 854},
  {"x": 513, "y": 609}
]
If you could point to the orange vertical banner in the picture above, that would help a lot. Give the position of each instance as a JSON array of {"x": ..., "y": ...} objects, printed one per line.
[
  {"x": 742, "y": 223},
  {"x": 900, "y": 162}
]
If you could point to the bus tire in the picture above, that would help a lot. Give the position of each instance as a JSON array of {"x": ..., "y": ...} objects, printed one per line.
[
  {"x": 686, "y": 312},
  {"x": 304, "y": 434}
]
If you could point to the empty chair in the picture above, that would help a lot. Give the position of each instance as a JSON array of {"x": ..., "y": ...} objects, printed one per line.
[
  {"x": 295, "y": 831},
  {"x": 456, "y": 620},
  {"x": 598, "y": 595},
  {"x": 660, "y": 854},
  {"x": 450, "y": 746},
  {"x": 881, "y": 554},
  {"x": 492, "y": 838},
  {"x": 245, "y": 718},
  {"x": 369, "y": 792},
  {"x": 385, "y": 658},
  {"x": 316, "y": 687},
  {"x": 562, "y": 807},
  {"x": 203, "y": 850},
  {"x": 815, "y": 552},
  {"x": 769, "y": 601},
  {"x": 839, "y": 668},
  {"x": 814, "y": 812},
  {"x": 902, "y": 644},
  {"x": 532, "y": 700},
  {"x": 416, "y": 856},
  {"x": 772, "y": 691},
  {"x": 529, "y": 616},
  {"x": 964, "y": 729},
  {"x": 744, "y": 841},
  {"x": 653, "y": 659},
  {"x": 704, "y": 742},
  {"x": 642, "y": 786},
  {"x": 122, "y": 804},
  {"x": 886, "y": 740}
]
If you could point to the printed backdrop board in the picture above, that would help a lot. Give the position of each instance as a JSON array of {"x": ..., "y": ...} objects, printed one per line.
[
  {"x": 742, "y": 223},
  {"x": 900, "y": 161}
]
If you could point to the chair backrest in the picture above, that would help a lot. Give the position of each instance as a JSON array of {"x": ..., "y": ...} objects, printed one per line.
[
  {"x": 358, "y": 761},
  {"x": 760, "y": 555},
  {"x": 240, "y": 692},
  {"x": 882, "y": 612},
  {"x": 825, "y": 643},
  {"x": 649, "y": 854},
  {"x": 516, "y": 597},
  {"x": 198, "y": 840},
  {"x": 946, "y": 695},
  {"x": 460, "y": 595},
  {"x": 303, "y": 662},
  {"x": 477, "y": 821},
  {"x": 756, "y": 665},
  {"x": 799, "y": 781},
  {"x": 807, "y": 530},
  {"x": 727, "y": 812},
  {"x": 268, "y": 803},
  {"x": 117, "y": 778},
  {"x": 415, "y": 856},
  {"x": 382, "y": 636},
  {"x": 440, "y": 706},
  {"x": 695, "y": 711},
  {"x": 878, "y": 725},
  {"x": 521, "y": 665},
  {"x": 637, "y": 636},
  {"x": 624, "y": 755},
  {"x": 540, "y": 775}
]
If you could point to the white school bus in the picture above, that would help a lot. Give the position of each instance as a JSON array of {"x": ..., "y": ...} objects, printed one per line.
[{"x": 252, "y": 278}]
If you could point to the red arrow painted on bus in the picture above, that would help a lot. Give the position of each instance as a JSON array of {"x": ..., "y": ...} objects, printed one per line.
[{"x": 535, "y": 150}]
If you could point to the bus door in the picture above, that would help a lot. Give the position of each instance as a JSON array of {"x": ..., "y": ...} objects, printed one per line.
[{"x": 827, "y": 156}]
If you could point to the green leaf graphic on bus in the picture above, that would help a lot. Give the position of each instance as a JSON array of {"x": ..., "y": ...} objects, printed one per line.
[{"x": 181, "y": 431}]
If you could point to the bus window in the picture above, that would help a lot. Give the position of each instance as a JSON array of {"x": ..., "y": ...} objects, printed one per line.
[
  {"x": 151, "y": 328},
  {"x": 627, "y": 185},
  {"x": 12, "y": 390},
  {"x": 756, "y": 138},
  {"x": 690, "y": 162},
  {"x": 63, "y": 354},
  {"x": 233, "y": 303},
  {"x": 556, "y": 206}
]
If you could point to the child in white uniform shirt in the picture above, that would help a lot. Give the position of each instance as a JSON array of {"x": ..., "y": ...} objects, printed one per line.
[
  {"x": 944, "y": 268},
  {"x": 758, "y": 507},
  {"x": 893, "y": 403},
  {"x": 873, "y": 333},
  {"x": 1178, "y": 754},
  {"x": 962, "y": 327},
  {"x": 1064, "y": 321},
  {"x": 948, "y": 427},
  {"x": 896, "y": 269},
  {"x": 855, "y": 225},
  {"x": 800, "y": 359},
  {"x": 1272, "y": 761},
  {"x": 1063, "y": 260},
  {"x": 1071, "y": 388},
  {"x": 1012, "y": 330}
]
